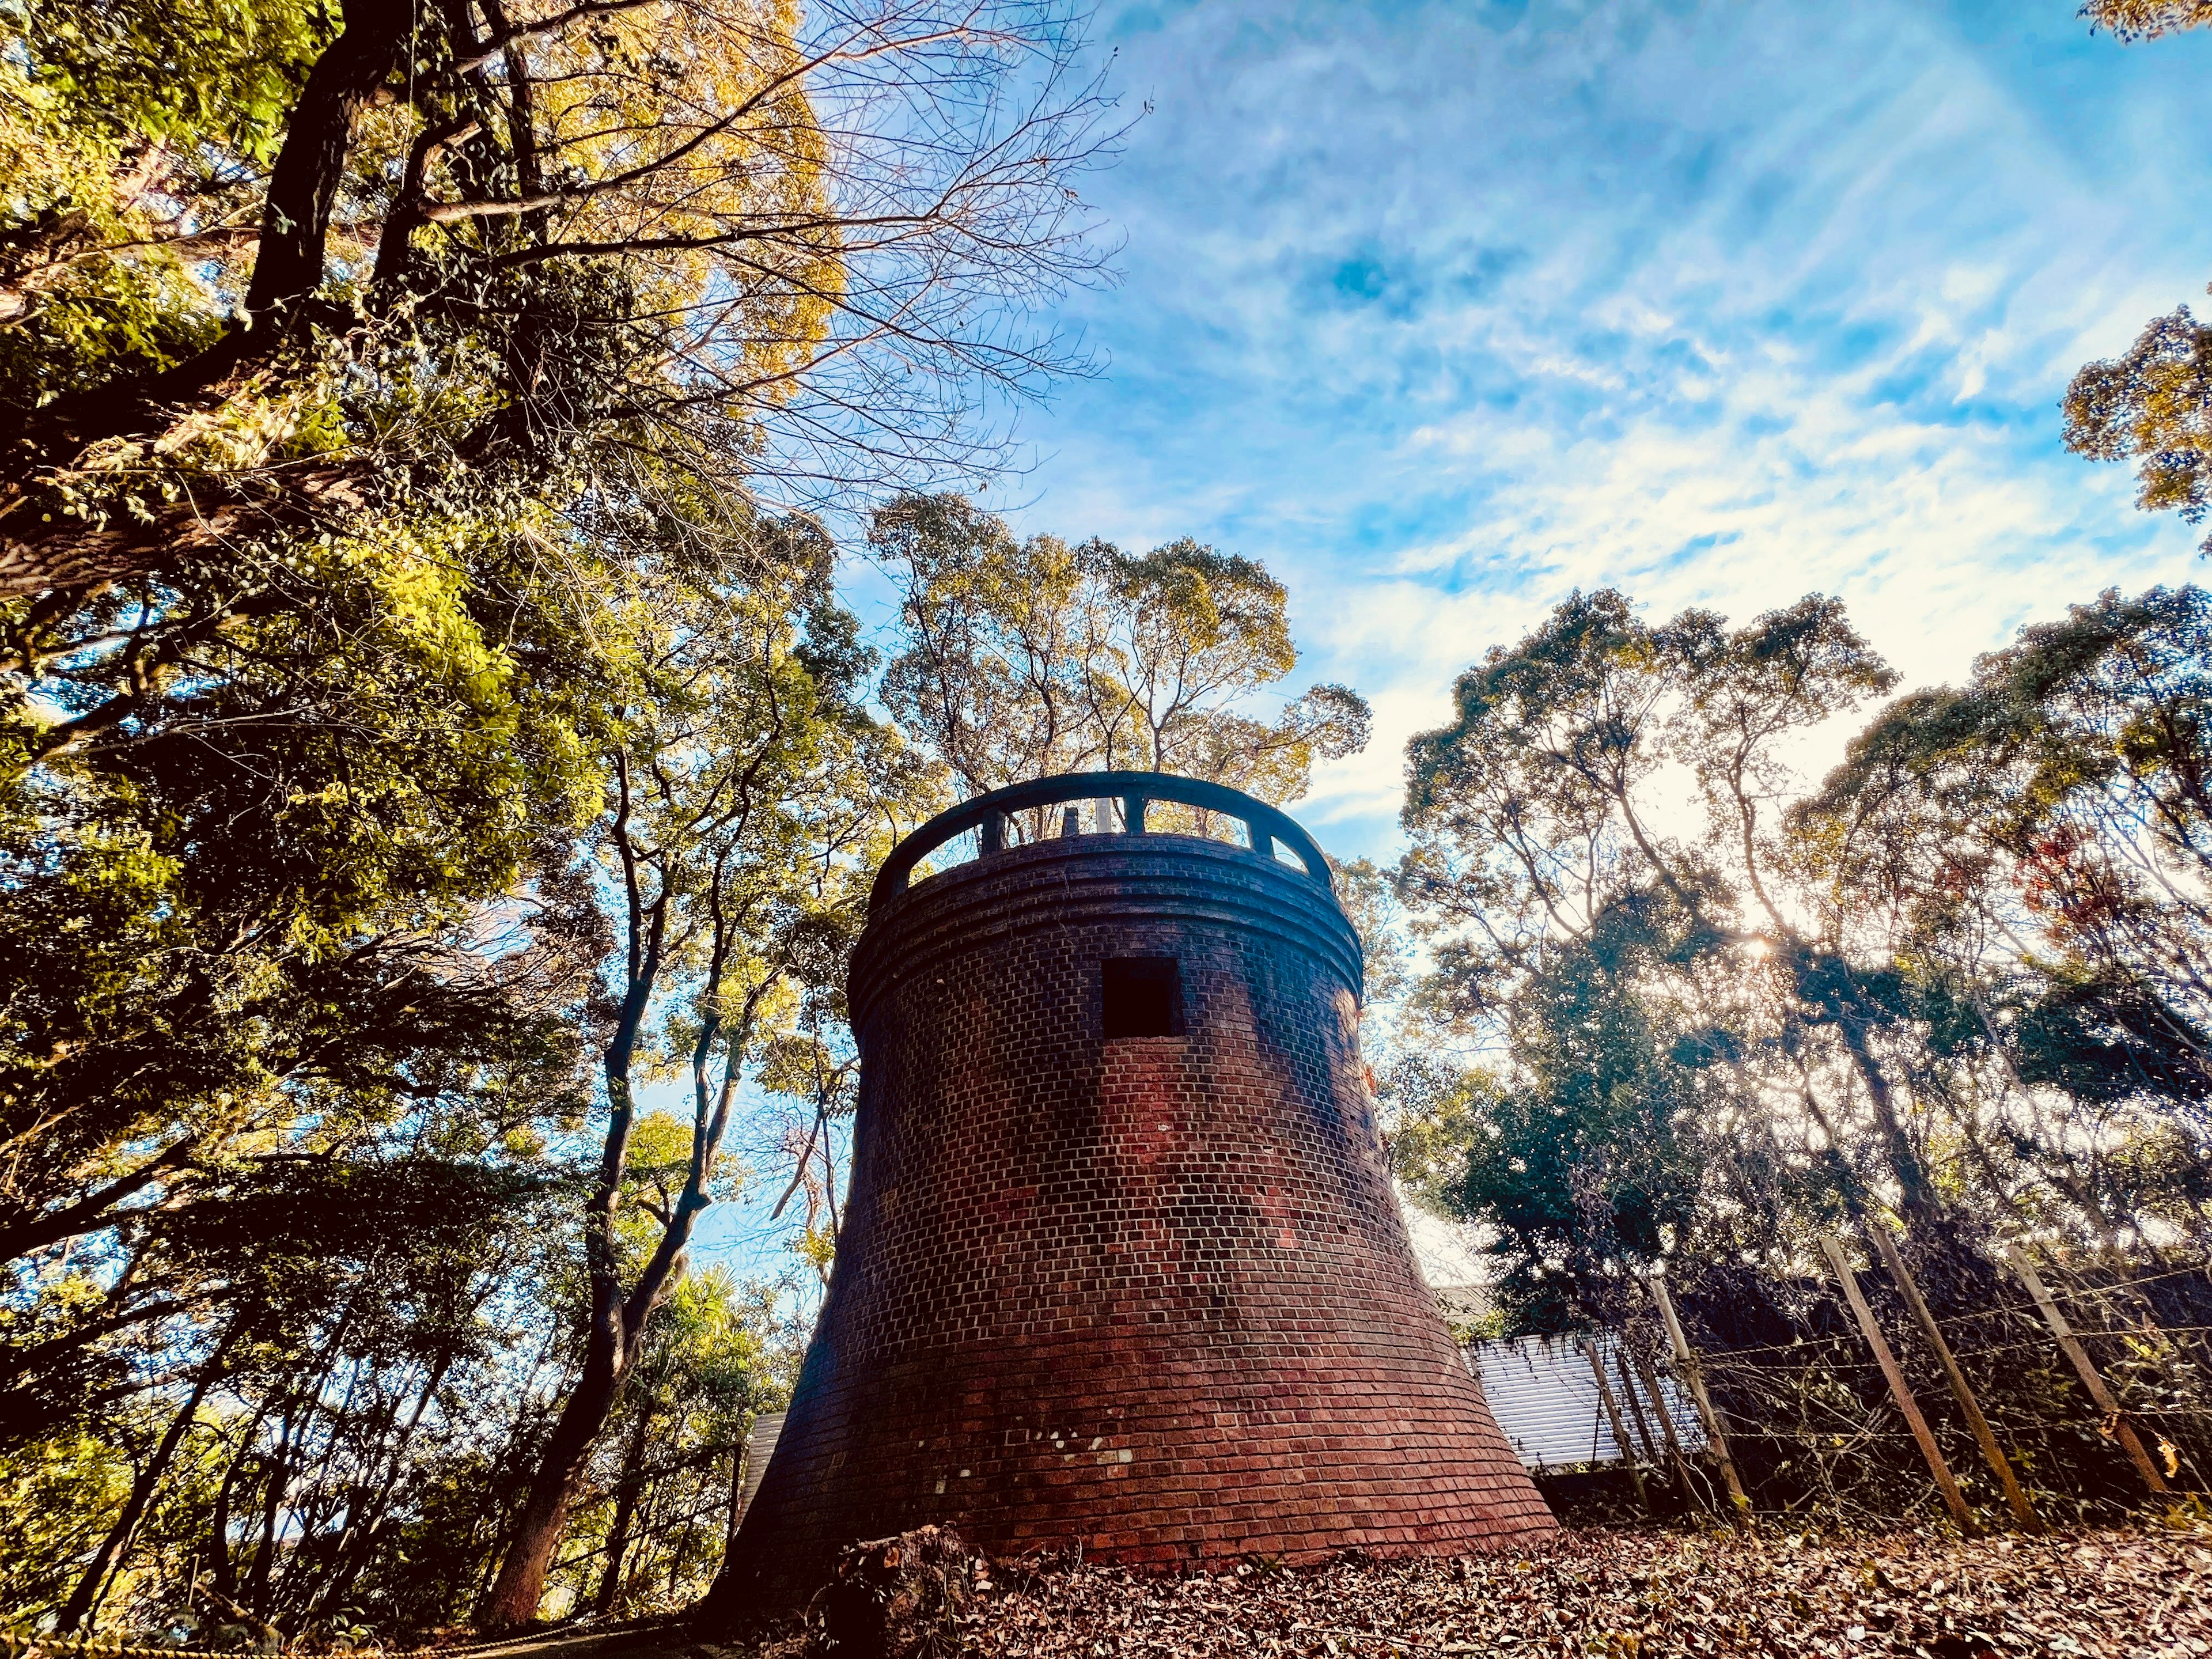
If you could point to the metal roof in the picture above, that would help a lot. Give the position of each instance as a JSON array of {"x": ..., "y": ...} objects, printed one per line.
[
  {"x": 760, "y": 1446},
  {"x": 1544, "y": 1397}
]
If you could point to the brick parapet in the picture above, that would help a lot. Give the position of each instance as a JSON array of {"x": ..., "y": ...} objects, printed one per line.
[
  {"x": 1150, "y": 1296},
  {"x": 1064, "y": 883}
]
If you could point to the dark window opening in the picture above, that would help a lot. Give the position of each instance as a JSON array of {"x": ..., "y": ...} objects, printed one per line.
[{"x": 1144, "y": 997}]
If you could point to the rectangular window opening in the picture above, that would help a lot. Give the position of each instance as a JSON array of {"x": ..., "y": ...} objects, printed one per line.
[{"x": 1144, "y": 997}]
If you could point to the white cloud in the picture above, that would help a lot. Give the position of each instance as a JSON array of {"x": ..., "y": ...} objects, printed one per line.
[{"x": 1448, "y": 310}]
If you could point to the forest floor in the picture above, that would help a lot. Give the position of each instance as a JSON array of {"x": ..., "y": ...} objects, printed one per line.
[{"x": 2102, "y": 1594}]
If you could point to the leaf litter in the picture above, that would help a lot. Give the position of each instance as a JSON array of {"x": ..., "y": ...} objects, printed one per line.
[{"x": 1598, "y": 1595}]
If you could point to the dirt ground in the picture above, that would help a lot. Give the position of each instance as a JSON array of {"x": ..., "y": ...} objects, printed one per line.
[{"x": 2136, "y": 1594}]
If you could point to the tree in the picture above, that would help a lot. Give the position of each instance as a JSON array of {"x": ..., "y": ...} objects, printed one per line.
[
  {"x": 2142, "y": 19},
  {"x": 697, "y": 1386},
  {"x": 249, "y": 912},
  {"x": 1654, "y": 994},
  {"x": 2153, "y": 404},
  {"x": 1028, "y": 658},
  {"x": 2042, "y": 834},
  {"x": 750, "y": 795},
  {"x": 1963, "y": 978},
  {"x": 536, "y": 234}
]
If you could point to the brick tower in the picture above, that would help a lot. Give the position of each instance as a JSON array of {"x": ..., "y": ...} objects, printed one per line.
[{"x": 1122, "y": 1265}]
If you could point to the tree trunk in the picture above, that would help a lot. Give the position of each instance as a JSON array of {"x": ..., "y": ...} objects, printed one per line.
[
  {"x": 521, "y": 1582},
  {"x": 358, "y": 1545},
  {"x": 221, "y": 1568},
  {"x": 76, "y": 1611},
  {"x": 626, "y": 1490},
  {"x": 1916, "y": 1194}
]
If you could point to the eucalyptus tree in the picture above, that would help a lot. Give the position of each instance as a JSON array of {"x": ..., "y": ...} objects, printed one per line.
[
  {"x": 319, "y": 1309},
  {"x": 750, "y": 795},
  {"x": 1597, "y": 864},
  {"x": 1021, "y": 659},
  {"x": 2152, "y": 405},
  {"x": 2043, "y": 837}
]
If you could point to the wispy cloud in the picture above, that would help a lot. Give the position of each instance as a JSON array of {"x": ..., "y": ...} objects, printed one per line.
[{"x": 1445, "y": 310}]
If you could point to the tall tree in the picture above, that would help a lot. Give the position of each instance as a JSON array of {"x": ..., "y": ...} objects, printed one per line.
[
  {"x": 1651, "y": 986},
  {"x": 2045, "y": 834},
  {"x": 535, "y": 228},
  {"x": 750, "y": 795},
  {"x": 1024, "y": 658}
]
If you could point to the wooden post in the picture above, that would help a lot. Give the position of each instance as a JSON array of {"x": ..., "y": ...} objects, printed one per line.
[
  {"x": 1686, "y": 1362},
  {"x": 1683, "y": 1480},
  {"x": 1619, "y": 1429},
  {"x": 1886, "y": 1246},
  {"x": 1954, "y": 1499},
  {"x": 1635, "y": 1406},
  {"x": 2117, "y": 1424}
]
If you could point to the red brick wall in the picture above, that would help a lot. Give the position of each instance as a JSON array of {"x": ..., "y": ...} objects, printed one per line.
[{"x": 1152, "y": 1296}]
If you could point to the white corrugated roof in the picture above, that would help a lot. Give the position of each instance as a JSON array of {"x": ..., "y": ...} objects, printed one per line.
[
  {"x": 760, "y": 1446},
  {"x": 1542, "y": 1394}
]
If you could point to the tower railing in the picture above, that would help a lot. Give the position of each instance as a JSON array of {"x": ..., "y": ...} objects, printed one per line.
[{"x": 1265, "y": 826}]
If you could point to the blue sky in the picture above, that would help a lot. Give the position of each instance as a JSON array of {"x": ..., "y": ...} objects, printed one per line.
[{"x": 1445, "y": 310}]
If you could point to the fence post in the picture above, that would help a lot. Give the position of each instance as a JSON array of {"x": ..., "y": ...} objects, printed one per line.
[
  {"x": 1886, "y": 1246},
  {"x": 1954, "y": 1499},
  {"x": 1684, "y": 1481},
  {"x": 1619, "y": 1429},
  {"x": 1635, "y": 1406},
  {"x": 1686, "y": 1362},
  {"x": 2117, "y": 1426}
]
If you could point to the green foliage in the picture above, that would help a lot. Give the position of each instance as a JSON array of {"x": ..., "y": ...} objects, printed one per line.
[
  {"x": 131, "y": 138},
  {"x": 650, "y": 1540},
  {"x": 1962, "y": 978},
  {"x": 2152, "y": 405},
  {"x": 619, "y": 231},
  {"x": 1437, "y": 1111},
  {"x": 1588, "y": 1165},
  {"x": 1027, "y": 659},
  {"x": 169, "y": 72}
]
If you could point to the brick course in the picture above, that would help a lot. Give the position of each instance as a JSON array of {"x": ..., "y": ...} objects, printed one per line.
[{"x": 1150, "y": 1296}]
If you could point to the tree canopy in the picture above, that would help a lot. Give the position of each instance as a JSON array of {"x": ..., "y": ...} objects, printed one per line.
[
  {"x": 1961, "y": 978},
  {"x": 1023, "y": 658},
  {"x": 429, "y": 724},
  {"x": 269, "y": 274}
]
